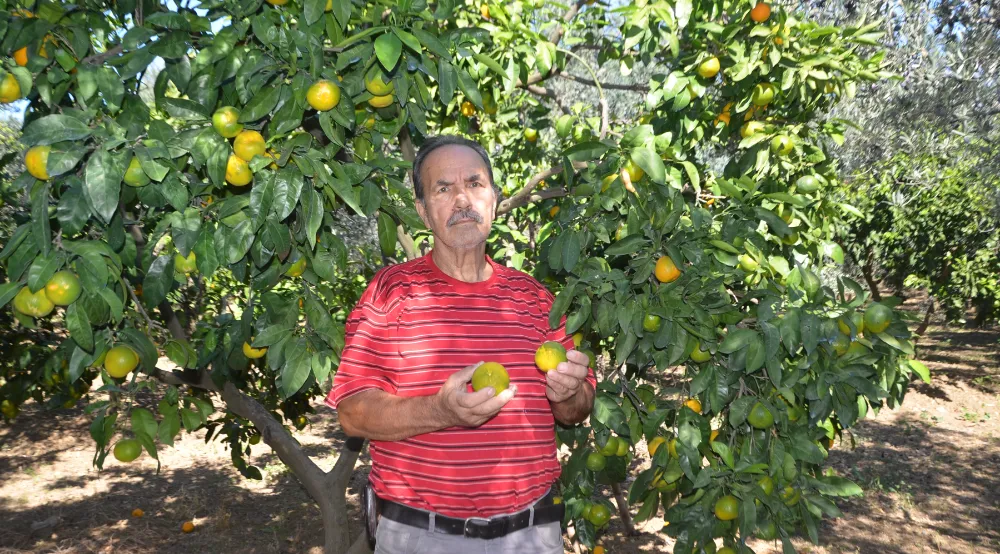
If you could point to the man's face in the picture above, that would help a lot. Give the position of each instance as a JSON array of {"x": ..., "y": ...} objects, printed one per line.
[{"x": 459, "y": 204}]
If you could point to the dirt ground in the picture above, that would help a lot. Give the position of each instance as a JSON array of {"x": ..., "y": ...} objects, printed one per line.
[{"x": 930, "y": 470}]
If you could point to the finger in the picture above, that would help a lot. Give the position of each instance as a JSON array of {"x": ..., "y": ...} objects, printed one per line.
[
  {"x": 578, "y": 357},
  {"x": 572, "y": 369},
  {"x": 469, "y": 400},
  {"x": 492, "y": 405},
  {"x": 567, "y": 382}
]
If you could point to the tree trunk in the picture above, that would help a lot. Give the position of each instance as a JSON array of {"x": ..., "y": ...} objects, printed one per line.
[
  {"x": 927, "y": 319},
  {"x": 623, "y": 512},
  {"x": 866, "y": 270}
]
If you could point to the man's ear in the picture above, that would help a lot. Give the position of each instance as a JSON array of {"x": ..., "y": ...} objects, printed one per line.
[{"x": 422, "y": 212}]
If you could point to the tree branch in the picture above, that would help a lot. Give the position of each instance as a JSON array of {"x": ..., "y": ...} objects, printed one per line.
[
  {"x": 550, "y": 94},
  {"x": 557, "y": 32},
  {"x": 525, "y": 196},
  {"x": 278, "y": 438},
  {"x": 623, "y": 509},
  {"x": 98, "y": 59},
  {"x": 613, "y": 86}
]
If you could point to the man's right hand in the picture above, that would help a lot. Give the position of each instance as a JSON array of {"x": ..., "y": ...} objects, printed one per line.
[{"x": 469, "y": 409}]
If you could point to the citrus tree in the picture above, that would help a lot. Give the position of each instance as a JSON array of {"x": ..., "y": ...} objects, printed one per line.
[
  {"x": 930, "y": 220},
  {"x": 190, "y": 172}
]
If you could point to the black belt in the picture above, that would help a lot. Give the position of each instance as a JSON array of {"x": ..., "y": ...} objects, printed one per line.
[{"x": 475, "y": 527}]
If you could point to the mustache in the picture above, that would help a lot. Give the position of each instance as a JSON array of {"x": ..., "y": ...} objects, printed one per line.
[{"x": 461, "y": 215}]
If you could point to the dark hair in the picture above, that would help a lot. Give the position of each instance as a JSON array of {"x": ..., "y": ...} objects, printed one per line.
[{"x": 432, "y": 144}]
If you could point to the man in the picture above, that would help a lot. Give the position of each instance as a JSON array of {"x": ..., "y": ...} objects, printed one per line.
[{"x": 458, "y": 471}]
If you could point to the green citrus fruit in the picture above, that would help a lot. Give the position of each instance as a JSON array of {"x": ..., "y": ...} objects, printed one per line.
[
  {"x": 807, "y": 184},
  {"x": 767, "y": 484},
  {"x": 599, "y": 515},
  {"x": 596, "y": 461},
  {"x": 651, "y": 323},
  {"x": 841, "y": 344},
  {"x": 760, "y": 417},
  {"x": 63, "y": 288},
  {"x": 134, "y": 175},
  {"x": 127, "y": 450},
  {"x": 762, "y": 94},
  {"x": 185, "y": 265},
  {"x": 857, "y": 318},
  {"x": 297, "y": 268},
  {"x": 709, "y": 68},
  {"x": 877, "y": 318},
  {"x": 225, "y": 120},
  {"x": 782, "y": 145},
  {"x": 748, "y": 264},
  {"x": 727, "y": 508},
  {"x": 36, "y": 160},
  {"x": 700, "y": 356},
  {"x": 490, "y": 374},
  {"x": 120, "y": 361},
  {"x": 34, "y": 305},
  {"x": 323, "y": 95},
  {"x": 611, "y": 447}
]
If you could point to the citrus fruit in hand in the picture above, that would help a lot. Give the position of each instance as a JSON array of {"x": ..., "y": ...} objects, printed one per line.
[
  {"x": 36, "y": 161},
  {"x": 253, "y": 353},
  {"x": 63, "y": 288},
  {"x": 596, "y": 461},
  {"x": 666, "y": 271},
  {"x": 727, "y": 508},
  {"x": 760, "y": 417},
  {"x": 599, "y": 515},
  {"x": 127, "y": 450},
  {"x": 549, "y": 355},
  {"x": 120, "y": 361},
  {"x": 323, "y": 95},
  {"x": 877, "y": 318},
  {"x": 34, "y": 305},
  {"x": 225, "y": 120},
  {"x": 248, "y": 144},
  {"x": 651, "y": 323},
  {"x": 490, "y": 374}
]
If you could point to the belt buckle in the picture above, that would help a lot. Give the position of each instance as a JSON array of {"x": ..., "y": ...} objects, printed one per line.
[{"x": 475, "y": 527}]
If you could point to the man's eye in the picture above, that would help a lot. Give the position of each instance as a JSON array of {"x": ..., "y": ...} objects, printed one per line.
[
  {"x": 476, "y": 184},
  {"x": 443, "y": 189}
]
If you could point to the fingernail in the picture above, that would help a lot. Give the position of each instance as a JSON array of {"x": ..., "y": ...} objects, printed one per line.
[{"x": 491, "y": 390}]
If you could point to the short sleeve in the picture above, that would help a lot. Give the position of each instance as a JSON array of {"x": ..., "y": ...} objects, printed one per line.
[{"x": 369, "y": 358}]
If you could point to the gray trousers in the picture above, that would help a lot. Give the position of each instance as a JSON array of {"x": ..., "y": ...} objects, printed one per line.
[{"x": 397, "y": 538}]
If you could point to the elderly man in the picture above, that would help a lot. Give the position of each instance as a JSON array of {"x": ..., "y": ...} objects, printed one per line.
[{"x": 458, "y": 471}]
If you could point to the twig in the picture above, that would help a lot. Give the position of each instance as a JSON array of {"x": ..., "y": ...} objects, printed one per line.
[
  {"x": 550, "y": 94},
  {"x": 98, "y": 59},
  {"x": 141, "y": 309},
  {"x": 612, "y": 86}
]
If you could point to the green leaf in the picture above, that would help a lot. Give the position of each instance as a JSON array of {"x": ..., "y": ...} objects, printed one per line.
[
  {"x": 143, "y": 423},
  {"x": 722, "y": 449},
  {"x": 628, "y": 245},
  {"x": 158, "y": 281},
  {"x": 586, "y": 151},
  {"x": 54, "y": 128},
  {"x": 448, "y": 80},
  {"x": 833, "y": 485},
  {"x": 297, "y": 368},
  {"x": 313, "y": 10},
  {"x": 312, "y": 206},
  {"x": 737, "y": 339},
  {"x": 78, "y": 325},
  {"x": 102, "y": 184},
  {"x": 261, "y": 104},
  {"x": 63, "y": 158},
  {"x": 114, "y": 303},
  {"x": 409, "y": 40},
  {"x": 42, "y": 269},
  {"x": 918, "y": 367},
  {"x": 650, "y": 163},
  {"x": 388, "y": 48},
  {"x": 724, "y": 246},
  {"x": 271, "y": 335},
  {"x": 561, "y": 304},
  {"x": 609, "y": 413},
  {"x": 8, "y": 291},
  {"x": 386, "y": 234},
  {"x": 170, "y": 425}
]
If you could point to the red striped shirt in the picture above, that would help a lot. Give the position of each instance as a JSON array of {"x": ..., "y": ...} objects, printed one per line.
[{"x": 413, "y": 327}]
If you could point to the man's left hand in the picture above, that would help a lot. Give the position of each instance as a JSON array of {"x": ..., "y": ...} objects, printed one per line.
[{"x": 563, "y": 382}]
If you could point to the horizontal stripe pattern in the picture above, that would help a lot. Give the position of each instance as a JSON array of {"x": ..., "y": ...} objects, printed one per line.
[{"x": 414, "y": 327}]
